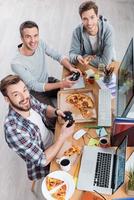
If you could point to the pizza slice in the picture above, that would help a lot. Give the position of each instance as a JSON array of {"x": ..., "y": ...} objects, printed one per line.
[
  {"x": 86, "y": 101},
  {"x": 72, "y": 150},
  {"x": 60, "y": 194},
  {"x": 51, "y": 183},
  {"x": 72, "y": 99},
  {"x": 86, "y": 113}
]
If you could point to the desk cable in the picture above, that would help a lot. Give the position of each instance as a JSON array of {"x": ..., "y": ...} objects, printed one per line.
[{"x": 100, "y": 194}]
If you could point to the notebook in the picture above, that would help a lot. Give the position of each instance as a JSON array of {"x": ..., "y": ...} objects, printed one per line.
[{"x": 102, "y": 169}]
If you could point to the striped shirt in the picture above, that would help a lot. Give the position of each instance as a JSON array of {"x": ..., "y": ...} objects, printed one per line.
[{"x": 24, "y": 138}]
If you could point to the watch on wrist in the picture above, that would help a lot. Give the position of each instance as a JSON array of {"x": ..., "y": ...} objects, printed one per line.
[{"x": 56, "y": 112}]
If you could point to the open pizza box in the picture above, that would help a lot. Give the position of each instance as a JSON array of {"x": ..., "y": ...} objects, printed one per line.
[{"x": 76, "y": 112}]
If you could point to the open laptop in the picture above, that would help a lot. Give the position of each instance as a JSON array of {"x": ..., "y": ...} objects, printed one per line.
[{"x": 102, "y": 169}]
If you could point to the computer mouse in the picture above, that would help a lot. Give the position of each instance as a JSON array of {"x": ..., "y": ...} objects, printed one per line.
[
  {"x": 69, "y": 117},
  {"x": 75, "y": 76},
  {"x": 77, "y": 135}
]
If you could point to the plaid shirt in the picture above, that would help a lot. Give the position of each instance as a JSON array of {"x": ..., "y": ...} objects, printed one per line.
[{"x": 24, "y": 137}]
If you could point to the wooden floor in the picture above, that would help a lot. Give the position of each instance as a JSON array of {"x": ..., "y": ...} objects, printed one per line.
[{"x": 56, "y": 19}]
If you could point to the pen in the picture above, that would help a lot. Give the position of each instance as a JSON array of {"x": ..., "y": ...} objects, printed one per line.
[
  {"x": 93, "y": 127},
  {"x": 77, "y": 172},
  {"x": 100, "y": 131}
]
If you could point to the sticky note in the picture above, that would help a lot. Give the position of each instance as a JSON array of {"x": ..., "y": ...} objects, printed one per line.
[
  {"x": 93, "y": 142},
  {"x": 97, "y": 76}
]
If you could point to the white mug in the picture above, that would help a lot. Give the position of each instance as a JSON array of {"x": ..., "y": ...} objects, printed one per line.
[
  {"x": 104, "y": 142},
  {"x": 65, "y": 163}
]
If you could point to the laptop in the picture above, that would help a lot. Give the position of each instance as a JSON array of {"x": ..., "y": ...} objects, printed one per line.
[{"x": 102, "y": 169}]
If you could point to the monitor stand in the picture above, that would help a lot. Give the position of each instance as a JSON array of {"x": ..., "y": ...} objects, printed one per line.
[{"x": 131, "y": 112}]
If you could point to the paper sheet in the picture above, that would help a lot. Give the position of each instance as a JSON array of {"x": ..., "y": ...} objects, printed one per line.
[{"x": 101, "y": 132}]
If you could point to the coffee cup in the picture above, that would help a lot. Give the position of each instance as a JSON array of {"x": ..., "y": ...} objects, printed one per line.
[
  {"x": 91, "y": 79},
  {"x": 104, "y": 142},
  {"x": 101, "y": 67},
  {"x": 65, "y": 163}
]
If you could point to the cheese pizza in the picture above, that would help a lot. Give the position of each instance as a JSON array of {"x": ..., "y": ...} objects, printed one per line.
[
  {"x": 51, "y": 183},
  {"x": 60, "y": 194},
  {"x": 82, "y": 102},
  {"x": 72, "y": 150}
]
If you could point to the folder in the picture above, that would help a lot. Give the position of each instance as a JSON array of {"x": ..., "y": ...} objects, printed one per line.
[{"x": 122, "y": 127}]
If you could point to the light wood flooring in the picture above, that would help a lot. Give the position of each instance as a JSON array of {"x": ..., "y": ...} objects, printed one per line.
[{"x": 56, "y": 20}]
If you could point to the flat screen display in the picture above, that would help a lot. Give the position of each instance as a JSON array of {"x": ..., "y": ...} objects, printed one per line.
[{"x": 125, "y": 82}]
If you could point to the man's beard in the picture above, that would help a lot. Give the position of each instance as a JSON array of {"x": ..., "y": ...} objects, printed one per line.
[{"x": 20, "y": 108}]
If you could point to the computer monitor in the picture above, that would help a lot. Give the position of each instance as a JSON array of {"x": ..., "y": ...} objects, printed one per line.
[
  {"x": 125, "y": 82},
  {"x": 125, "y": 99}
]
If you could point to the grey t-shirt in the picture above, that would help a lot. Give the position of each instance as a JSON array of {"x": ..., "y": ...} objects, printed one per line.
[{"x": 33, "y": 69}]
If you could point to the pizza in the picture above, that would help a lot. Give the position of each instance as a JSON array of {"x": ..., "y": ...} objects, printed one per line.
[
  {"x": 82, "y": 102},
  {"x": 51, "y": 183},
  {"x": 86, "y": 113},
  {"x": 72, "y": 150},
  {"x": 73, "y": 99},
  {"x": 60, "y": 193}
]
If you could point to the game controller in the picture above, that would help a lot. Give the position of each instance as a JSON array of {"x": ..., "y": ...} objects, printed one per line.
[
  {"x": 75, "y": 76},
  {"x": 69, "y": 117}
]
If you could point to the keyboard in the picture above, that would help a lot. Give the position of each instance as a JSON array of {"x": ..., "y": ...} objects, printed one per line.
[
  {"x": 101, "y": 84},
  {"x": 104, "y": 108},
  {"x": 102, "y": 172}
]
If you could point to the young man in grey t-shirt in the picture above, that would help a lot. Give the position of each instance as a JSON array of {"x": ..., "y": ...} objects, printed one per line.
[{"x": 30, "y": 64}]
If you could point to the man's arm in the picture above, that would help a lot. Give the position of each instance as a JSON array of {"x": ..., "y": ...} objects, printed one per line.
[
  {"x": 65, "y": 83},
  {"x": 21, "y": 142},
  {"x": 60, "y": 58},
  {"x": 34, "y": 84},
  {"x": 52, "y": 112},
  {"x": 75, "y": 49},
  {"x": 52, "y": 151}
]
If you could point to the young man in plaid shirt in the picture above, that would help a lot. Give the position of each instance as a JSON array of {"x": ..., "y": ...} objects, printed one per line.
[{"x": 25, "y": 129}]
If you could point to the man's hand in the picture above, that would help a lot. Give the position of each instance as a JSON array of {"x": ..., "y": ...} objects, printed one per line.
[
  {"x": 60, "y": 113},
  {"x": 73, "y": 69},
  {"x": 80, "y": 59},
  {"x": 66, "y": 131},
  {"x": 67, "y": 83},
  {"x": 86, "y": 60}
]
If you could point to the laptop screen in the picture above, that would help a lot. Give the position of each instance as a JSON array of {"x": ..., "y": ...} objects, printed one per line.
[{"x": 121, "y": 159}]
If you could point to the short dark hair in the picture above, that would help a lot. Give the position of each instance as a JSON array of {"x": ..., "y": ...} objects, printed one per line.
[
  {"x": 27, "y": 24},
  {"x": 88, "y": 5},
  {"x": 8, "y": 80}
]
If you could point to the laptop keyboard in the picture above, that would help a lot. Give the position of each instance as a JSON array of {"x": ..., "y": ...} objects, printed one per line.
[{"x": 102, "y": 172}]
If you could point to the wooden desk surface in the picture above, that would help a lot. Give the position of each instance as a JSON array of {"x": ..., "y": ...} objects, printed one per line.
[{"x": 54, "y": 166}]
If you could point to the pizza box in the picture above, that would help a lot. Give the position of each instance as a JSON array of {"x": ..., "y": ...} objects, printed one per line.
[{"x": 77, "y": 115}]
